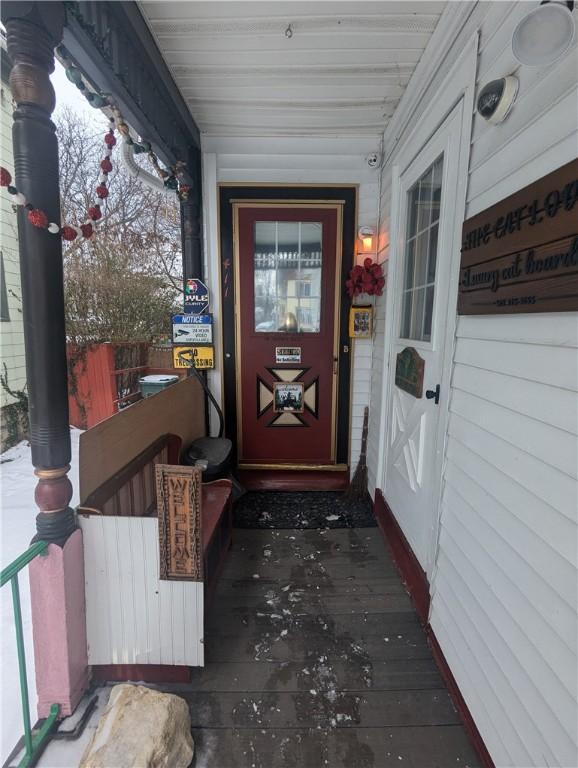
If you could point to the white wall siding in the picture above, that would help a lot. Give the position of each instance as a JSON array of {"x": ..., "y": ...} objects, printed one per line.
[
  {"x": 504, "y": 587},
  {"x": 132, "y": 617},
  {"x": 287, "y": 161}
]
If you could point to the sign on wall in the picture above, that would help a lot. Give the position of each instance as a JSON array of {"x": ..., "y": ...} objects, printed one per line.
[
  {"x": 193, "y": 329},
  {"x": 192, "y": 356},
  {"x": 196, "y": 298},
  {"x": 521, "y": 255}
]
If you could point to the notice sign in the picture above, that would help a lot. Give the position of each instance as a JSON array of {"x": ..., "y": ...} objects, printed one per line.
[
  {"x": 193, "y": 329},
  {"x": 196, "y": 297},
  {"x": 521, "y": 255},
  {"x": 287, "y": 354},
  {"x": 409, "y": 368},
  {"x": 193, "y": 357}
]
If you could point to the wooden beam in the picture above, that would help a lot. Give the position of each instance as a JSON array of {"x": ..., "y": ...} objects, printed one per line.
[{"x": 113, "y": 46}]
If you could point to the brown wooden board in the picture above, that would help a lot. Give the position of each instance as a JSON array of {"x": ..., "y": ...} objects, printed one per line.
[
  {"x": 179, "y": 512},
  {"x": 409, "y": 370},
  {"x": 521, "y": 255},
  {"x": 109, "y": 446}
]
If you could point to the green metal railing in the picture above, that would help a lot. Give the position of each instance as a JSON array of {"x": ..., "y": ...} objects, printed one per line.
[{"x": 34, "y": 740}]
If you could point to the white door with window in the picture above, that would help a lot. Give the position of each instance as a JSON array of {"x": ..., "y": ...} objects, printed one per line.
[{"x": 422, "y": 319}]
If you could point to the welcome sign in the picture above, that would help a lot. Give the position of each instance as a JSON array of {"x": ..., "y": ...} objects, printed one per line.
[{"x": 521, "y": 255}]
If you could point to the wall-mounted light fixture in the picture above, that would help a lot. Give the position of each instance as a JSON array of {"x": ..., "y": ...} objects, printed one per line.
[
  {"x": 366, "y": 235},
  {"x": 545, "y": 34}
]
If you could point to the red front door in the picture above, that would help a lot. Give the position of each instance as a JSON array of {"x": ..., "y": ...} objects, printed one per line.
[{"x": 287, "y": 316}]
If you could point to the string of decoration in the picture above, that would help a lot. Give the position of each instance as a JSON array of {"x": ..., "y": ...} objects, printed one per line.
[
  {"x": 173, "y": 177},
  {"x": 38, "y": 218}
]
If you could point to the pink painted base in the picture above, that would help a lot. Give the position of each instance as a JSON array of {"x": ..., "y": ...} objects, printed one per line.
[{"x": 59, "y": 626}]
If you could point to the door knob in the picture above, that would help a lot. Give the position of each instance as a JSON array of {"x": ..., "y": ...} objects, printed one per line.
[{"x": 433, "y": 394}]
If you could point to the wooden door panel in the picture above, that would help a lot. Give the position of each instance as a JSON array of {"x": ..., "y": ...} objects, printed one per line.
[{"x": 287, "y": 301}]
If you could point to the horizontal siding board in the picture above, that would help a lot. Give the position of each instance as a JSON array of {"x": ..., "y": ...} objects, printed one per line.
[
  {"x": 511, "y": 529},
  {"x": 548, "y": 621},
  {"x": 553, "y": 446},
  {"x": 479, "y": 681},
  {"x": 541, "y": 402},
  {"x": 547, "y": 483},
  {"x": 558, "y": 329},
  {"x": 546, "y": 364},
  {"x": 556, "y": 530},
  {"x": 515, "y": 691}
]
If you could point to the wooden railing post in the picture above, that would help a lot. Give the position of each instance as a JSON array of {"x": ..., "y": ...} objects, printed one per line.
[{"x": 33, "y": 29}]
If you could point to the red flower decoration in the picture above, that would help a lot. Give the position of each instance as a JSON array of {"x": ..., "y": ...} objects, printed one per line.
[
  {"x": 106, "y": 165},
  {"x": 38, "y": 218},
  {"x": 87, "y": 230},
  {"x": 5, "y": 178},
  {"x": 69, "y": 233},
  {"x": 365, "y": 279},
  {"x": 110, "y": 140},
  {"x": 95, "y": 213},
  {"x": 102, "y": 191}
]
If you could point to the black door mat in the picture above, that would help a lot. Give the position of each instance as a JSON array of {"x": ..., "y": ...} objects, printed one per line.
[{"x": 308, "y": 509}]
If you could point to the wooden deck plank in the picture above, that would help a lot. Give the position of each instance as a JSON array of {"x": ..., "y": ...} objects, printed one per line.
[
  {"x": 291, "y": 676},
  {"x": 315, "y": 658},
  {"x": 413, "y": 747}
]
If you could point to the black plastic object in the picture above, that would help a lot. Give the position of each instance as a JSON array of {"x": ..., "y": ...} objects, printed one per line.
[{"x": 216, "y": 451}]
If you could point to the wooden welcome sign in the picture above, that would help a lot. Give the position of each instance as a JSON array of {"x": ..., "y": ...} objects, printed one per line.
[
  {"x": 521, "y": 255},
  {"x": 179, "y": 512}
]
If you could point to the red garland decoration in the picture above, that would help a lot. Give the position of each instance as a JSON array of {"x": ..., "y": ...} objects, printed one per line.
[
  {"x": 69, "y": 233},
  {"x": 38, "y": 218},
  {"x": 366, "y": 279}
]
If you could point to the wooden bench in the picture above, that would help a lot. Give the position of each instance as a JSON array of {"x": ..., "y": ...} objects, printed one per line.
[{"x": 131, "y": 492}]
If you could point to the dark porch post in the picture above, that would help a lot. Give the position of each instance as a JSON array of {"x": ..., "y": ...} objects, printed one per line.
[
  {"x": 57, "y": 580},
  {"x": 191, "y": 228}
]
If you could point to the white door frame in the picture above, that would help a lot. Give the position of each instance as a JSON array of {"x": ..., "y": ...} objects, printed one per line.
[{"x": 458, "y": 86}]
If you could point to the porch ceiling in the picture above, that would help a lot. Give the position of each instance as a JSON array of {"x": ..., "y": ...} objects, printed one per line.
[{"x": 342, "y": 72}]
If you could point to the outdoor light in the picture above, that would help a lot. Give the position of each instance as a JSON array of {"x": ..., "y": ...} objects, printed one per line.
[
  {"x": 366, "y": 234},
  {"x": 545, "y": 34}
]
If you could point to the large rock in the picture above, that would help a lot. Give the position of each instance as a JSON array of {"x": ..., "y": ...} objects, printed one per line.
[{"x": 141, "y": 728}]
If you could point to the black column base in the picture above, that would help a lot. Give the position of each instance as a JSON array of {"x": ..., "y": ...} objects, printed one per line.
[{"x": 55, "y": 527}]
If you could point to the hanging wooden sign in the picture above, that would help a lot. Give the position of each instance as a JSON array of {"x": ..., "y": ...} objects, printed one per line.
[
  {"x": 179, "y": 513},
  {"x": 409, "y": 368},
  {"x": 521, "y": 255}
]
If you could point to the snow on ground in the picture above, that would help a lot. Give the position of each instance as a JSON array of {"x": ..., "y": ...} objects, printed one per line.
[{"x": 17, "y": 527}]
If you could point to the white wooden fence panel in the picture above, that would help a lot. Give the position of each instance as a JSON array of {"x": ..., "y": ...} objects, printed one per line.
[{"x": 132, "y": 616}]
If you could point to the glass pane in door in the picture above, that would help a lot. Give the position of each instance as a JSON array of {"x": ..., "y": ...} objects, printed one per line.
[
  {"x": 287, "y": 267},
  {"x": 423, "y": 200}
]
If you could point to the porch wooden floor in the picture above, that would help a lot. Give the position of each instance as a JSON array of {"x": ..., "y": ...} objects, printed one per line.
[{"x": 315, "y": 658}]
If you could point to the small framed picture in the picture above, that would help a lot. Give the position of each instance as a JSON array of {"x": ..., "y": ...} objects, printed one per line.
[
  {"x": 361, "y": 322},
  {"x": 288, "y": 396}
]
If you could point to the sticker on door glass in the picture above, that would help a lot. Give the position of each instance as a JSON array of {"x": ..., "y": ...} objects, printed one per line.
[
  {"x": 288, "y": 396},
  {"x": 287, "y": 354}
]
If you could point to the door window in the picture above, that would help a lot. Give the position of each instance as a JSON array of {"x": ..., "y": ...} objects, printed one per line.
[
  {"x": 423, "y": 212},
  {"x": 287, "y": 266}
]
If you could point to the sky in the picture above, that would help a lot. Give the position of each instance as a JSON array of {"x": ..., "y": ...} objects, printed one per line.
[{"x": 67, "y": 94}]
